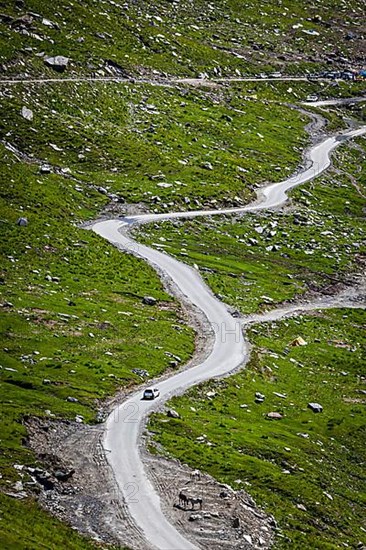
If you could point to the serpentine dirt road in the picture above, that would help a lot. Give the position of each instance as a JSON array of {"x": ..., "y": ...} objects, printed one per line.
[{"x": 229, "y": 350}]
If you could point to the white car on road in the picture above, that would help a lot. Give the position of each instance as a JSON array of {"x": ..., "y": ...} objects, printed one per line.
[{"x": 151, "y": 393}]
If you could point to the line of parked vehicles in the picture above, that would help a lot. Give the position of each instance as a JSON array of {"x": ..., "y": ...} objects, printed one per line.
[
  {"x": 331, "y": 75},
  {"x": 340, "y": 75}
]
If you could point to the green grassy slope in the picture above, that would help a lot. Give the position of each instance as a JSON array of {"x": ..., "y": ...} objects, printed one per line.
[
  {"x": 165, "y": 147},
  {"x": 72, "y": 320},
  {"x": 258, "y": 260},
  {"x": 68, "y": 299},
  {"x": 24, "y": 526},
  {"x": 182, "y": 38},
  {"x": 306, "y": 469}
]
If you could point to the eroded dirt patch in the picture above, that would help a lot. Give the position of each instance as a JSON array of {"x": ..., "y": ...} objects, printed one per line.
[
  {"x": 227, "y": 519},
  {"x": 89, "y": 500}
]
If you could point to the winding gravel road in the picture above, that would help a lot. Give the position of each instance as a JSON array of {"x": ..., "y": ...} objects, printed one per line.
[{"x": 229, "y": 350}]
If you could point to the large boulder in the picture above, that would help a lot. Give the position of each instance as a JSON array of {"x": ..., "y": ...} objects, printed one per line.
[{"x": 58, "y": 63}]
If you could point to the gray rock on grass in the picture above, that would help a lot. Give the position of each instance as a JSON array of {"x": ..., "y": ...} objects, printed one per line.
[
  {"x": 27, "y": 113},
  {"x": 173, "y": 414},
  {"x": 315, "y": 407},
  {"x": 149, "y": 300},
  {"x": 58, "y": 63}
]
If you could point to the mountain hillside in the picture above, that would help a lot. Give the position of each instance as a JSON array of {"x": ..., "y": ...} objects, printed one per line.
[
  {"x": 183, "y": 37},
  {"x": 96, "y": 121}
]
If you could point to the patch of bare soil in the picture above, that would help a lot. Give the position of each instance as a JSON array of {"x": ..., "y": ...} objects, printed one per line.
[
  {"x": 76, "y": 484},
  {"x": 87, "y": 499},
  {"x": 228, "y": 519}
]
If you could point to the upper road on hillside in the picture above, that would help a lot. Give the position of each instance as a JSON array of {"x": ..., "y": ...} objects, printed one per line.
[{"x": 162, "y": 81}]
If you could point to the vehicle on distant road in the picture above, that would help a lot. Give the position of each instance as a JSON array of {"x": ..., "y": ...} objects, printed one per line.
[
  {"x": 312, "y": 97},
  {"x": 348, "y": 75},
  {"x": 313, "y": 77},
  {"x": 275, "y": 75},
  {"x": 333, "y": 75},
  {"x": 151, "y": 393}
]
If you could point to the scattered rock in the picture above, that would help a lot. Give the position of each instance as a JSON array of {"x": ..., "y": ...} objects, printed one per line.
[
  {"x": 23, "y": 222},
  {"x": 195, "y": 517},
  {"x": 50, "y": 24},
  {"x": 55, "y": 147},
  {"x": 315, "y": 407},
  {"x": 301, "y": 507},
  {"x": 298, "y": 342},
  {"x": 141, "y": 372},
  {"x": 207, "y": 166},
  {"x": 44, "y": 478},
  {"x": 58, "y": 63},
  {"x": 62, "y": 475},
  {"x": 18, "y": 486},
  {"x": 25, "y": 20},
  {"x": 27, "y": 113},
  {"x": 72, "y": 399},
  {"x": 173, "y": 414},
  {"x": 273, "y": 522},
  {"x": 274, "y": 415},
  {"x": 259, "y": 397},
  {"x": 45, "y": 169},
  {"x": 149, "y": 300},
  {"x": 236, "y": 523}
]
